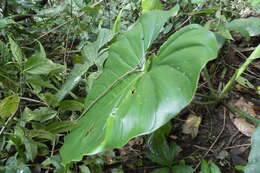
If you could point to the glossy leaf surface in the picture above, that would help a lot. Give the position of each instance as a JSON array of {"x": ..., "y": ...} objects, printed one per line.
[
  {"x": 253, "y": 165},
  {"x": 133, "y": 97},
  {"x": 247, "y": 27}
]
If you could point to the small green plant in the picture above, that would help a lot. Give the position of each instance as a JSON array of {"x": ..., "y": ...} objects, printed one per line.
[
  {"x": 165, "y": 154},
  {"x": 210, "y": 167},
  {"x": 136, "y": 93}
]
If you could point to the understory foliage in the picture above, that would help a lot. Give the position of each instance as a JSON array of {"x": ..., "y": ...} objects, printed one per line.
[{"x": 79, "y": 78}]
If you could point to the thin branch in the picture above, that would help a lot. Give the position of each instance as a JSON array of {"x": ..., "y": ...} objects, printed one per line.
[{"x": 216, "y": 140}]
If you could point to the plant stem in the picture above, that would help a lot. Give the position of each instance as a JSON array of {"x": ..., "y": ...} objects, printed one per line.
[
  {"x": 255, "y": 54},
  {"x": 236, "y": 110},
  {"x": 205, "y": 103},
  {"x": 210, "y": 85}
]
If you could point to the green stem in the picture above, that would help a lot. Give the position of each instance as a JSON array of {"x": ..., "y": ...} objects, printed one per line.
[
  {"x": 236, "y": 110},
  {"x": 205, "y": 103},
  {"x": 202, "y": 95},
  {"x": 228, "y": 86},
  {"x": 210, "y": 85}
]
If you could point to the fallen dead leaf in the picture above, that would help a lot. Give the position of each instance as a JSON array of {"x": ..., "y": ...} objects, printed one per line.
[
  {"x": 243, "y": 126},
  {"x": 241, "y": 123},
  {"x": 191, "y": 125},
  {"x": 245, "y": 106}
]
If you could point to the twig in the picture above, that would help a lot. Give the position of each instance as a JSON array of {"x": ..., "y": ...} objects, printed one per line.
[
  {"x": 33, "y": 100},
  {"x": 52, "y": 152},
  {"x": 202, "y": 148},
  {"x": 9, "y": 119},
  {"x": 216, "y": 140},
  {"x": 237, "y": 146},
  {"x": 210, "y": 85}
]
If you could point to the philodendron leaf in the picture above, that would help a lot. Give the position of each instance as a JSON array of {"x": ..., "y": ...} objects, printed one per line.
[
  {"x": 133, "y": 97},
  {"x": 246, "y": 27},
  {"x": 253, "y": 165}
]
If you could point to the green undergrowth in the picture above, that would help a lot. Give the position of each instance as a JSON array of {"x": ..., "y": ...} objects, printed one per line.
[{"x": 59, "y": 77}]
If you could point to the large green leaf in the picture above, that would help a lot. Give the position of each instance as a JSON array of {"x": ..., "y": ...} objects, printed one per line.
[
  {"x": 247, "y": 27},
  {"x": 41, "y": 114},
  {"x": 253, "y": 165},
  {"x": 133, "y": 97}
]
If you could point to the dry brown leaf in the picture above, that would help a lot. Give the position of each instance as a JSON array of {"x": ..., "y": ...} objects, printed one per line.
[
  {"x": 241, "y": 123},
  {"x": 243, "y": 126},
  {"x": 245, "y": 106},
  {"x": 191, "y": 125}
]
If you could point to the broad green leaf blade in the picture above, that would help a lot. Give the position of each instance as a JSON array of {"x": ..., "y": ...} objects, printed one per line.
[
  {"x": 255, "y": 54},
  {"x": 159, "y": 150},
  {"x": 38, "y": 65},
  {"x": 253, "y": 165},
  {"x": 104, "y": 36},
  {"x": 255, "y": 4},
  {"x": 71, "y": 105},
  {"x": 128, "y": 53},
  {"x": 41, "y": 134},
  {"x": 125, "y": 56},
  {"x": 6, "y": 22},
  {"x": 41, "y": 114},
  {"x": 131, "y": 93},
  {"x": 9, "y": 105},
  {"x": 246, "y": 27},
  {"x": 60, "y": 127},
  {"x": 73, "y": 80},
  {"x": 205, "y": 167},
  {"x": 14, "y": 166},
  {"x": 214, "y": 168},
  {"x": 30, "y": 145},
  {"x": 16, "y": 50},
  {"x": 148, "y": 5}
]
